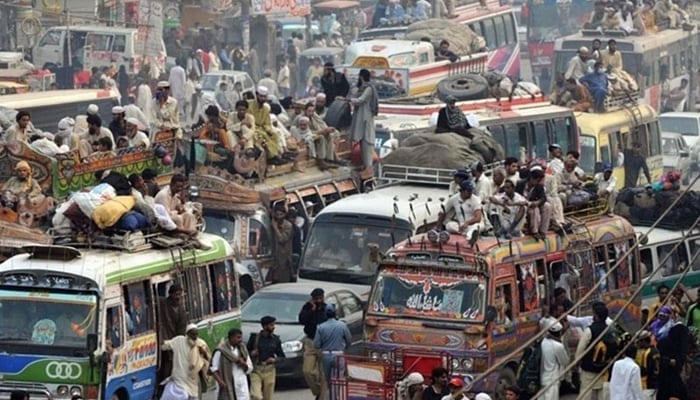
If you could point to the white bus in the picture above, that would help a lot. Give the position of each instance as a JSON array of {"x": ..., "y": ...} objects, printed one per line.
[
  {"x": 47, "y": 108},
  {"x": 337, "y": 246},
  {"x": 86, "y": 322}
]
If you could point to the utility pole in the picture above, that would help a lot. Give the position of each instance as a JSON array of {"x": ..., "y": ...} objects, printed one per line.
[{"x": 691, "y": 70}]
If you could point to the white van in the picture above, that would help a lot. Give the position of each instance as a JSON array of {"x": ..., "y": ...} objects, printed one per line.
[
  {"x": 94, "y": 46},
  {"x": 688, "y": 125}
]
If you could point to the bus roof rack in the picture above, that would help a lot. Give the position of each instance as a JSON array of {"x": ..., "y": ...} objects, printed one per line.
[
  {"x": 613, "y": 103},
  {"x": 392, "y": 173},
  {"x": 131, "y": 242}
]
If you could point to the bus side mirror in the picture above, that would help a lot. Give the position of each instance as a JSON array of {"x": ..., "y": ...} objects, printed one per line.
[
  {"x": 491, "y": 314},
  {"x": 91, "y": 342}
]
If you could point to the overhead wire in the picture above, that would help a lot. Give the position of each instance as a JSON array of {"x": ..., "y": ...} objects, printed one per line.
[{"x": 499, "y": 364}]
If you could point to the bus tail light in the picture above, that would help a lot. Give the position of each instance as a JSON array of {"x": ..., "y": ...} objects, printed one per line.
[{"x": 91, "y": 393}]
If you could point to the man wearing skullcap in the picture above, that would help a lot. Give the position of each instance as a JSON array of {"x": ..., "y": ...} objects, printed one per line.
[
  {"x": 136, "y": 137},
  {"x": 118, "y": 123},
  {"x": 266, "y": 350},
  {"x": 266, "y": 137},
  {"x": 22, "y": 184},
  {"x": 465, "y": 208},
  {"x": 578, "y": 67},
  {"x": 166, "y": 112},
  {"x": 554, "y": 360},
  {"x": 312, "y": 314},
  {"x": 190, "y": 360}
]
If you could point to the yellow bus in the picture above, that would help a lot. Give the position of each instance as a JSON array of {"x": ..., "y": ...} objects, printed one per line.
[{"x": 609, "y": 138}]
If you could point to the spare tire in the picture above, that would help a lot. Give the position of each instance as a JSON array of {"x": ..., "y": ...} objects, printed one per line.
[
  {"x": 463, "y": 87},
  {"x": 338, "y": 115}
]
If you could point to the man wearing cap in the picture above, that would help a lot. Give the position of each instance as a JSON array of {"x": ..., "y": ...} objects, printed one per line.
[
  {"x": 312, "y": 313},
  {"x": 458, "y": 176},
  {"x": 118, "y": 124},
  {"x": 166, "y": 111},
  {"x": 321, "y": 105},
  {"x": 269, "y": 83},
  {"x": 334, "y": 84},
  {"x": 554, "y": 360},
  {"x": 465, "y": 208},
  {"x": 607, "y": 186},
  {"x": 265, "y": 349},
  {"x": 509, "y": 217},
  {"x": 556, "y": 162},
  {"x": 456, "y": 388},
  {"x": 230, "y": 366},
  {"x": 332, "y": 338},
  {"x": 625, "y": 379},
  {"x": 190, "y": 361},
  {"x": 324, "y": 139},
  {"x": 649, "y": 361},
  {"x": 131, "y": 110},
  {"x": 136, "y": 137},
  {"x": 22, "y": 184},
  {"x": 590, "y": 369},
  {"x": 66, "y": 135},
  {"x": 266, "y": 137},
  {"x": 577, "y": 67}
]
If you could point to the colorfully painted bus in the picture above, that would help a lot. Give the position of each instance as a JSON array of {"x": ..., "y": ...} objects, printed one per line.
[
  {"x": 85, "y": 322},
  {"x": 609, "y": 137},
  {"x": 496, "y": 23},
  {"x": 436, "y": 300},
  {"x": 647, "y": 58}
]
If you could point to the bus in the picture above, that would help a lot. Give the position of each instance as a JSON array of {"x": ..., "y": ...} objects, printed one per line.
[
  {"x": 380, "y": 218},
  {"x": 657, "y": 246},
  {"x": 437, "y": 300},
  {"x": 545, "y": 21},
  {"x": 643, "y": 57},
  {"x": 607, "y": 137},
  {"x": 85, "y": 321},
  {"x": 47, "y": 108},
  {"x": 496, "y": 23}
]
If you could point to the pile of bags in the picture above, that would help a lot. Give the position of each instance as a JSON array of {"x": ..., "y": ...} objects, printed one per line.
[
  {"x": 463, "y": 40},
  {"x": 642, "y": 207}
]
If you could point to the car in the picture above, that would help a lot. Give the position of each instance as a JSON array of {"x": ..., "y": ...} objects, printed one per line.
[
  {"x": 284, "y": 301},
  {"x": 676, "y": 155},
  {"x": 211, "y": 80},
  {"x": 688, "y": 125}
]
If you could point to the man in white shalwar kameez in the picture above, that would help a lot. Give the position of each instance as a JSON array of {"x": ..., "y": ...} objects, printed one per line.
[
  {"x": 177, "y": 79},
  {"x": 554, "y": 360},
  {"x": 190, "y": 357},
  {"x": 230, "y": 366},
  {"x": 144, "y": 99}
]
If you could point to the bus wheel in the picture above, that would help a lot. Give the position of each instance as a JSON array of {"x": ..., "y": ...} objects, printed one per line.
[{"x": 506, "y": 378}]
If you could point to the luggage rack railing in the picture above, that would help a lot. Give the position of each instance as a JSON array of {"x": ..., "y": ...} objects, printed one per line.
[
  {"x": 394, "y": 173},
  {"x": 613, "y": 103},
  {"x": 128, "y": 241}
]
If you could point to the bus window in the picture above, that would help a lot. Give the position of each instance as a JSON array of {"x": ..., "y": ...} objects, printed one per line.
[
  {"x": 192, "y": 294},
  {"x": 694, "y": 247},
  {"x": 500, "y": 28},
  {"x": 489, "y": 33},
  {"x": 676, "y": 262},
  {"x": 540, "y": 140},
  {"x": 654, "y": 138},
  {"x": 99, "y": 42},
  {"x": 523, "y": 129},
  {"x": 115, "y": 332},
  {"x": 138, "y": 301},
  {"x": 222, "y": 278},
  {"x": 498, "y": 134},
  {"x": 258, "y": 239},
  {"x": 51, "y": 38},
  {"x": 119, "y": 45},
  {"x": 511, "y": 32},
  {"x": 588, "y": 152},
  {"x": 512, "y": 146},
  {"x": 605, "y": 154},
  {"x": 601, "y": 268},
  {"x": 621, "y": 277},
  {"x": 647, "y": 262},
  {"x": 562, "y": 132},
  {"x": 528, "y": 287},
  {"x": 476, "y": 27},
  {"x": 504, "y": 304}
]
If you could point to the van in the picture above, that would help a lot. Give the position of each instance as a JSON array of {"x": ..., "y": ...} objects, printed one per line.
[
  {"x": 688, "y": 125},
  {"x": 85, "y": 47},
  {"x": 211, "y": 80}
]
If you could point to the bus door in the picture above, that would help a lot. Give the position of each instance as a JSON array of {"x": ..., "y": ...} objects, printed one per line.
[{"x": 618, "y": 143}]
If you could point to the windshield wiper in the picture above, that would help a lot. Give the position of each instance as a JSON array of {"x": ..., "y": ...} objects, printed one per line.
[{"x": 16, "y": 338}]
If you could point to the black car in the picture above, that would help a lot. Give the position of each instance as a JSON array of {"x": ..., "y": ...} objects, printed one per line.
[{"x": 284, "y": 301}]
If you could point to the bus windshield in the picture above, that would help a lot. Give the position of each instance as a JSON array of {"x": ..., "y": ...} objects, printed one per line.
[
  {"x": 429, "y": 294},
  {"x": 339, "y": 251},
  {"x": 45, "y": 319}
]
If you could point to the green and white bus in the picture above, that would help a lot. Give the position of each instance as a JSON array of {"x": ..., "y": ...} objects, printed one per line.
[
  {"x": 86, "y": 321},
  {"x": 660, "y": 243}
]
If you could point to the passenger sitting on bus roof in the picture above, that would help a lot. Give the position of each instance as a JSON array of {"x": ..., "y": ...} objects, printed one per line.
[
  {"x": 627, "y": 15},
  {"x": 452, "y": 119},
  {"x": 265, "y": 135},
  {"x": 667, "y": 14},
  {"x": 597, "y": 84},
  {"x": 118, "y": 124},
  {"x": 325, "y": 138},
  {"x": 508, "y": 217},
  {"x": 539, "y": 210},
  {"x": 166, "y": 110},
  {"x": 173, "y": 198},
  {"x": 572, "y": 177},
  {"x": 607, "y": 186},
  {"x": 102, "y": 148},
  {"x": 65, "y": 135},
  {"x": 577, "y": 66},
  {"x": 242, "y": 126},
  {"x": 498, "y": 177},
  {"x": 482, "y": 183},
  {"x": 595, "y": 50},
  {"x": 458, "y": 176},
  {"x": 465, "y": 209},
  {"x": 134, "y": 135},
  {"x": 96, "y": 131},
  {"x": 612, "y": 19},
  {"x": 611, "y": 57},
  {"x": 556, "y": 161},
  {"x": 21, "y": 184},
  {"x": 616, "y": 86},
  {"x": 558, "y": 95},
  {"x": 320, "y": 104},
  {"x": 21, "y": 130},
  {"x": 596, "y": 16},
  {"x": 577, "y": 97},
  {"x": 214, "y": 131},
  {"x": 512, "y": 167},
  {"x": 648, "y": 17},
  {"x": 443, "y": 52}
]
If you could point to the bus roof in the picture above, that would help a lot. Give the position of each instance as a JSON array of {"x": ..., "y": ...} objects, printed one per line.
[
  {"x": 94, "y": 28},
  {"x": 40, "y": 99},
  {"x": 111, "y": 266},
  {"x": 626, "y": 44},
  {"x": 597, "y": 122},
  {"x": 660, "y": 235},
  {"x": 380, "y": 202},
  {"x": 385, "y": 48}
]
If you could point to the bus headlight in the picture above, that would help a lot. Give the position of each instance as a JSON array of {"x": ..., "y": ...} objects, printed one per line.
[
  {"x": 374, "y": 356},
  {"x": 292, "y": 346},
  {"x": 468, "y": 364},
  {"x": 455, "y": 363},
  {"x": 76, "y": 391},
  {"x": 62, "y": 391}
]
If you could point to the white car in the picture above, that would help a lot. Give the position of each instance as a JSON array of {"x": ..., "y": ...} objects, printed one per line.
[
  {"x": 688, "y": 125},
  {"x": 676, "y": 155}
]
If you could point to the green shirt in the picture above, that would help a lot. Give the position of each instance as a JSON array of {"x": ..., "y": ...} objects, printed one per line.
[{"x": 693, "y": 318}]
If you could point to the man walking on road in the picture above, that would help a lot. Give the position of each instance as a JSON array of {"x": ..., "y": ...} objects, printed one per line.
[
  {"x": 265, "y": 348},
  {"x": 311, "y": 315},
  {"x": 554, "y": 360},
  {"x": 332, "y": 338},
  {"x": 230, "y": 365},
  {"x": 190, "y": 359},
  {"x": 590, "y": 367}
]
